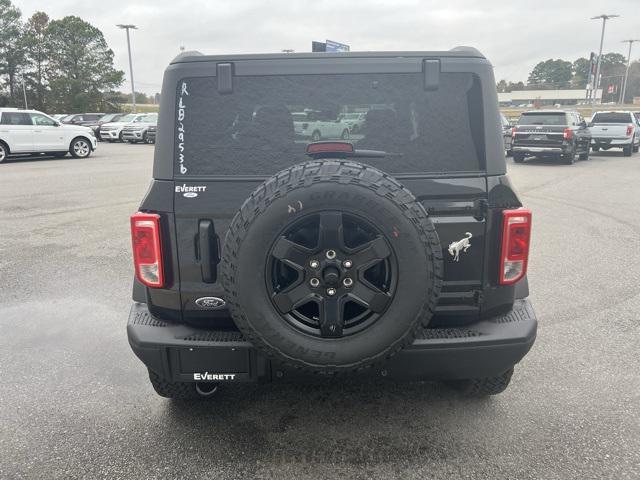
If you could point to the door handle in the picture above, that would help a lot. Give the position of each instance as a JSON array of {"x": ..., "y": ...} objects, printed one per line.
[{"x": 208, "y": 256}]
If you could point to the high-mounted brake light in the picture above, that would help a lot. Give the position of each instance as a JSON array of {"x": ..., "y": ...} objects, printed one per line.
[
  {"x": 567, "y": 134},
  {"x": 629, "y": 130},
  {"x": 516, "y": 236},
  {"x": 329, "y": 147},
  {"x": 147, "y": 249}
]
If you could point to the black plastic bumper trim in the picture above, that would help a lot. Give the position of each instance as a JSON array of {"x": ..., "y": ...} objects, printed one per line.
[{"x": 485, "y": 348}]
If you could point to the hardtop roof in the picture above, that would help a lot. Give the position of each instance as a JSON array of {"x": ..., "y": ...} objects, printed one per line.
[{"x": 195, "y": 56}]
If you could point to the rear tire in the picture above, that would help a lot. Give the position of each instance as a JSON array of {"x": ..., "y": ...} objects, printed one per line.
[
  {"x": 179, "y": 390},
  {"x": 570, "y": 157},
  {"x": 518, "y": 157},
  {"x": 585, "y": 155},
  {"x": 627, "y": 151},
  {"x": 482, "y": 387}
]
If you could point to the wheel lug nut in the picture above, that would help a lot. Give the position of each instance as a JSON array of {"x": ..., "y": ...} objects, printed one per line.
[
  {"x": 331, "y": 292},
  {"x": 331, "y": 254},
  {"x": 314, "y": 282},
  {"x": 314, "y": 263},
  {"x": 347, "y": 282},
  {"x": 347, "y": 264}
]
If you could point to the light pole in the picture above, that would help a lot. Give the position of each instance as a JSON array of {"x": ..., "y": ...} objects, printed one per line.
[
  {"x": 626, "y": 73},
  {"x": 133, "y": 90},
  {"x": 596, "y": 82}
]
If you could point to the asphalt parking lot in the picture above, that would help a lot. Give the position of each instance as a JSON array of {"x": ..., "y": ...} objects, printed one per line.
[{"x": 76, "y": 403}]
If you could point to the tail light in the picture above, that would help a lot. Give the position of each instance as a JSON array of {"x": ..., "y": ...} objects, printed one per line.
[
  {"x": 513, "y": 132},
  {"x": 629, "y": 130},
  {"x": 516, "y": 235},
  {"x": 147, "y": 249},
  {"x": 567, "y": 134}
]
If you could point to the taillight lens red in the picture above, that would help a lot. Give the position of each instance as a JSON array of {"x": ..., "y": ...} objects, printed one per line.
[
  {"x": 567, "y": 134},
  {"x": 629, "y": 130},
  {"x": 513, "y": 132},
  {"x": 147, "y": 249},
  {"x": 516, "y": 236}
]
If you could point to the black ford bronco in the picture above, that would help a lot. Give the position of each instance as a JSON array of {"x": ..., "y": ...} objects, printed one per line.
[{"x": 398, "y": 250}]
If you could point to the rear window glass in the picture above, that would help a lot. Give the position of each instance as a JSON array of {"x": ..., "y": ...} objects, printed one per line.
[
  {"x": 543, "y": 119},
  {"x": 267, "y": 122},
  {"x": 611, "y": 118}
]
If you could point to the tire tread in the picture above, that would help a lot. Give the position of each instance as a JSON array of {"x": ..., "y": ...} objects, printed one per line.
[{"x": 341, "y": 172}]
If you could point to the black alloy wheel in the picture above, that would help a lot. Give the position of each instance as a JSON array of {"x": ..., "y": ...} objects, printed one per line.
[{"x": 331, "y": 274}]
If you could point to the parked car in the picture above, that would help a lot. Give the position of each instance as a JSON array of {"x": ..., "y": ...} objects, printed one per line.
[
  {"x": 112, "y": 131},
  {"x": 34, "y": 132},
  {"x": 109, "y": 117},
  {"x": 506, "y": 134},
  {"x": 560, "y": 134},
  {"x": 85, "y": 119},
  {"x": 615, "y": 129},
  {"x": 355, "y": 121},
  {"x": 136, "y": 131},
  {"x": 264, "y": 258},
  {"x": 311, "y": 125},
  {"x": 59, "y": 116}
]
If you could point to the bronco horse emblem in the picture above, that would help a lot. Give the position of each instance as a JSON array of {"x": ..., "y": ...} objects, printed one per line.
[{"x": 460, "y": 246}]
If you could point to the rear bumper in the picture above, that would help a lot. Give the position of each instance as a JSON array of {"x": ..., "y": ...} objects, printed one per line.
[
  {"x": 533, "y": 150},
  {"x": 182, "y": 353},
  {"x": 611, "y": 142}
]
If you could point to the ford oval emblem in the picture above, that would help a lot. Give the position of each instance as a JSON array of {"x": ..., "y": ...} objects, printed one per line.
[
  {"x": 190, "y": 194},
  {"x": 212, "y": 303}
]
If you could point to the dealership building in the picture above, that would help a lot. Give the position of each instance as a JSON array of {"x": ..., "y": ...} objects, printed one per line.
[{"x": 528, "y": 98}]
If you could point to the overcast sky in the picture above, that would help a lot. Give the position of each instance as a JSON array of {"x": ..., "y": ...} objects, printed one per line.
[{"x": 513, "y": 34}]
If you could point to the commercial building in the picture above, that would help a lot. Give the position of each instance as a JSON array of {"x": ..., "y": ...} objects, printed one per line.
[{"x": 531, "y": 98}]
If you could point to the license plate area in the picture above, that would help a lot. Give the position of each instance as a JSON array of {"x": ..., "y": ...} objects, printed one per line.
[{"x": 217, "y": 364}]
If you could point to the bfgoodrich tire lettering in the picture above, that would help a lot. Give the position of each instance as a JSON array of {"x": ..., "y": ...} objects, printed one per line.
[{"x": 352, "y": 189}]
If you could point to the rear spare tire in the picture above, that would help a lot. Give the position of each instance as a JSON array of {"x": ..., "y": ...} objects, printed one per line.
[{"x": 331, "y": 266}]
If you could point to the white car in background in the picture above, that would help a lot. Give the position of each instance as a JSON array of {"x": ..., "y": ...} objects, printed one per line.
[
  {"x": 615, "y": 129},
  {"x": 112, "y": 131},
  {"x": 307, "y": 125},
  {"x": 33, "y": 132},
  {"x": 355, "y": 121},
  {"x": 136, "y": 131}
]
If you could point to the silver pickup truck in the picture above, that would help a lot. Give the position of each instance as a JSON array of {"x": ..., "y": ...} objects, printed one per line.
[{"x": 615, "y": 130}]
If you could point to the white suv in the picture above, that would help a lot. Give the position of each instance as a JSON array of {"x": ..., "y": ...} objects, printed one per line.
[
  {"x": 30, "y": 131},
  {"x": 112, "y": 131}
]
